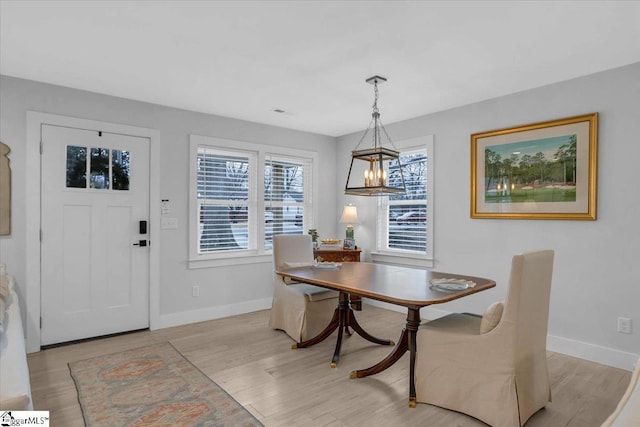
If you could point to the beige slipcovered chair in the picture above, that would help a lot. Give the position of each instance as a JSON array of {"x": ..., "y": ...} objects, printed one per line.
[
  {"x": 299, "y": 309},
  {"x": 627, "y": 414},
  {"x": 498, "y": 376}
]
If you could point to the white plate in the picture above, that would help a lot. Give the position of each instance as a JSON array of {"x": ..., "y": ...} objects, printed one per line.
[
  {"x": 327, "y": 265},
  {"x": 451, "y": 284}
]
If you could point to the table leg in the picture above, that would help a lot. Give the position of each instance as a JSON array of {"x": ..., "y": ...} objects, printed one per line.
[
  {"x": 343, "y": 317},
  {"x": 406, "y": 343},
  {"x": 348, "y": 323},
  {"x": 398, "y": 351},
  {"x": 413, "y": 323},
  {"x": 343, "y": 306},
  {"x": 356, "y": 302},
  {"x": 351, "y": 320}
]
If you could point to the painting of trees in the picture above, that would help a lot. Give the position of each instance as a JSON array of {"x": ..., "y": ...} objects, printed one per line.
[
  {"x": 566, "y": 155},
  {"x": 545, "y": 170},
  {"x": 538, "y": 170}
]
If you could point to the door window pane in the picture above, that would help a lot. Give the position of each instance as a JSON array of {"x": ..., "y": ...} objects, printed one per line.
[
  {"x": 76, "y": 166},
  {"x": 120, "y": 169},
  {"x": 100, "y": 168}
]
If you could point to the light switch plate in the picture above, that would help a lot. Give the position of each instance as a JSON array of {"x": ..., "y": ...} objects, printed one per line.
[{"x": 169, "y": 223}]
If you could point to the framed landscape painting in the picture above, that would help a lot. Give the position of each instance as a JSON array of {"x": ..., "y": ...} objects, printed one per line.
[{"x": 539, "y": 171}]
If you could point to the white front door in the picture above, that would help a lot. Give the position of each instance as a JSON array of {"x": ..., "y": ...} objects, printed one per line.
[{"x": 95, "y": 204}]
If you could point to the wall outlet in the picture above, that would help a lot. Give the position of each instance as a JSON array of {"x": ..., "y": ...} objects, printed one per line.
[
  {"x": 195, "y": 291},
  {"x": 624, "y": 325}
]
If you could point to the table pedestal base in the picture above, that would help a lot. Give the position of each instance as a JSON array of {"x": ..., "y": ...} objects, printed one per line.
[
  {"x": 342, "y": 319},
  {"x": 406, "y": 343}
]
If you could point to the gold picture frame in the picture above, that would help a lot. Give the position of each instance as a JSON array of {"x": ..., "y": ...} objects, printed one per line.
[
  {"x": 5, "y": 190},
  {"x": 544, "y": 170}
]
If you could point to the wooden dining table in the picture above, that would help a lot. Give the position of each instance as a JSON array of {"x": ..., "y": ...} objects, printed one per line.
[{"x": 404, "y": 286}]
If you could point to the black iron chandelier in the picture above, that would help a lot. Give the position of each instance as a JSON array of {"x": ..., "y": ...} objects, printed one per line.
[{"x": 375, "y": 171}]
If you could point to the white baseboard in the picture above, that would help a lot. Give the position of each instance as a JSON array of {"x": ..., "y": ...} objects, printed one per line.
[
  {"x": 592, "y": 352},
  {"x": 201, "y": 315},
  {"x": 570, "y": 347}
]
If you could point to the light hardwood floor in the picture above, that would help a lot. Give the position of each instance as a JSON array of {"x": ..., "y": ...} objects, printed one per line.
[{"x": 284, "y": 387}]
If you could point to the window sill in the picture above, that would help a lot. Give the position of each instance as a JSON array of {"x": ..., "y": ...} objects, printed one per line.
[
  {"x": 228, "y": 261},
  {"x": 408, "y": 260}
]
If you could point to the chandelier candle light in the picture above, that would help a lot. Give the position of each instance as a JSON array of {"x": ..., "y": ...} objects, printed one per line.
[{"x": 375, "y": 163}]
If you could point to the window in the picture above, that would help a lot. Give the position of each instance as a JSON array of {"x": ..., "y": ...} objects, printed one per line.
[
  {"x": 242, "y": 194},
  {"x": 107, "y": 169},
  {"x": 286, "y": 200},
  {"x": 223, "y": 200},
  {"x": 405, "y": 222}
]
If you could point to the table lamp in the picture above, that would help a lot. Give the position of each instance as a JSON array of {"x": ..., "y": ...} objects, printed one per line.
[{"x": 349, "y": 217}]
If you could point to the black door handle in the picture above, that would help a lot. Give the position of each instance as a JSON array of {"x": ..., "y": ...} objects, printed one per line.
[{"x": 141, "y": 243}]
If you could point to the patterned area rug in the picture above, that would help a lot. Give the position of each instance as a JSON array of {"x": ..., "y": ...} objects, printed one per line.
[{"x": 152, "y": 386}]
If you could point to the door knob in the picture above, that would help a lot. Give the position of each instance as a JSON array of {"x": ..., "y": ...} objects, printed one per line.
[{"x": 141, "y": 243}]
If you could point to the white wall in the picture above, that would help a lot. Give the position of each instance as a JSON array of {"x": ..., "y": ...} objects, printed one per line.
[
  {"x": 597, "y": 272},
  {"x": 223, "y": 290},
  {"x": 597, "y": 263}
]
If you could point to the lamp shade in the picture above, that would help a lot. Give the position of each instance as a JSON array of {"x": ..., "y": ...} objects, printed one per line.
[{"x": 349, "y": 215}]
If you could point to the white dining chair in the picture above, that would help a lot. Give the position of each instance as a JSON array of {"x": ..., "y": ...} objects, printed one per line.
[
  {"x": 493, "y": 367},
  {"x": 299, "y": 309}
]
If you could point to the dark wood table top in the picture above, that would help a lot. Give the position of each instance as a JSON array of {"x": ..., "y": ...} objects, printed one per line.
[{"x": 404, "y": 286}]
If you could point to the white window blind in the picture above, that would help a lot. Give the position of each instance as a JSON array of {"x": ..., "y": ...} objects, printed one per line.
[
  {"x": 403, "y": 219},
  {"x": 224, "y": 200},
  {"x": 287, "y": 196}
]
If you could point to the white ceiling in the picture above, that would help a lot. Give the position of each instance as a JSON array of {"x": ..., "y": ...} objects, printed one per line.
[{"x": 244, "y": 59}]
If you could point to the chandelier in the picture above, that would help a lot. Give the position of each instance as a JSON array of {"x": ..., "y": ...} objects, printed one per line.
[{"x": 375, "y": 171}]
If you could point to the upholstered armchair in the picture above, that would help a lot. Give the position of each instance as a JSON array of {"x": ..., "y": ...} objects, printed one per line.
[
  {"x": 494, "y": 367},
  {"x": 627, "y": 413},
  {"x": 299, "y": 309}
]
